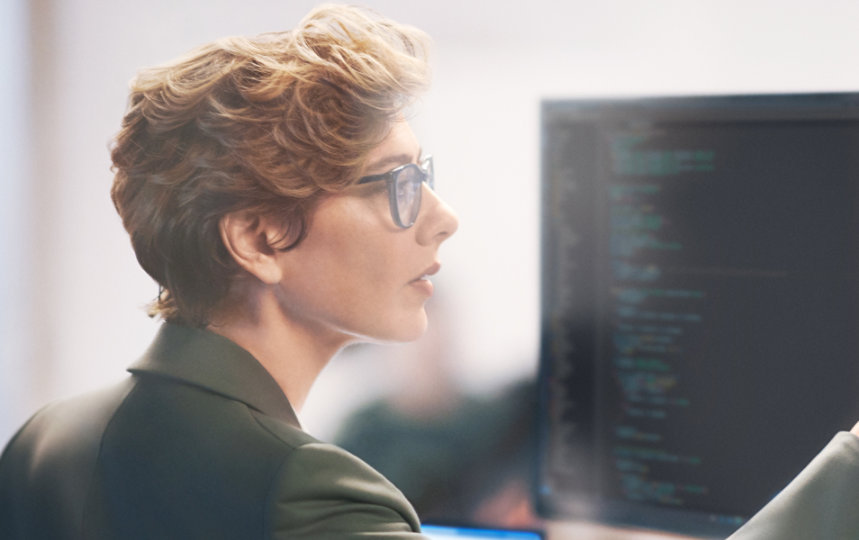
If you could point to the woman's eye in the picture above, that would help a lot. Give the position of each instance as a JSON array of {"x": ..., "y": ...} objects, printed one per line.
[{"x": 375, "y": 188}]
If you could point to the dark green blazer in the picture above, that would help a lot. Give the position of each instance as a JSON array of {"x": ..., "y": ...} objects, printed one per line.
[{"x": 199, "y": 442}]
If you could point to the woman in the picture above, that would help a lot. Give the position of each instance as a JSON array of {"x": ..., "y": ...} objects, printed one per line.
[{"x": 275, "y": 191}]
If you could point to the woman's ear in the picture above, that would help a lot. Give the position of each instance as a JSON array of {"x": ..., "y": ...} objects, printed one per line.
[{"x": 248, "y": 238}]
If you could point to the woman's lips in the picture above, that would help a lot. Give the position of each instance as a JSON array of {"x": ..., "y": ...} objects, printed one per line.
[{"x": 423, "y": 282}]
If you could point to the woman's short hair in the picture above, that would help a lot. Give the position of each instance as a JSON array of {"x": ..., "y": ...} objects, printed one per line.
[{"x": 264, "y": 124}]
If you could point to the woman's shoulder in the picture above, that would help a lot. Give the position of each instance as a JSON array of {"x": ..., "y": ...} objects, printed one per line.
[{"x": 282, "y": 433}]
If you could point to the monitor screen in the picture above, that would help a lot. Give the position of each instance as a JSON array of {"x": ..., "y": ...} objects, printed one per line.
[
  {"x": 458, "y": 532},
  {"x": 700, "y": 303}
]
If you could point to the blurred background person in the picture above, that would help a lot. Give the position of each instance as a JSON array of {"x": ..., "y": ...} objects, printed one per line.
[{"x": 458, "y": 455}]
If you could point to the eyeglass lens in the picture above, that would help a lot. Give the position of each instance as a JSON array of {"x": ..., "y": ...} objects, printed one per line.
[
  {"x": 408, "y": 190},
  {"x": 408, "y": 193}
]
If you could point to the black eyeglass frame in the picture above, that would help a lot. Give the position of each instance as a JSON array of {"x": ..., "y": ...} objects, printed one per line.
[{"x": 426, "y": 175}]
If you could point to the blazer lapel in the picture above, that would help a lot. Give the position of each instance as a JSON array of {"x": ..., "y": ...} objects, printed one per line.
[{"x": 208, "y": 360}]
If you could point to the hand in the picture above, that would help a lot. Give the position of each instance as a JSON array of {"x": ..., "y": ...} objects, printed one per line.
[{"x": 855, "y": 430}]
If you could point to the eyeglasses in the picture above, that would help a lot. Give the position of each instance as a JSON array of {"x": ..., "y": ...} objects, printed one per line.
[{"x": 404, "y": 189}]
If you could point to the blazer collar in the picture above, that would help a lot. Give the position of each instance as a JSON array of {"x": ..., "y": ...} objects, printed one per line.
[{"x": 213, "y": 362}]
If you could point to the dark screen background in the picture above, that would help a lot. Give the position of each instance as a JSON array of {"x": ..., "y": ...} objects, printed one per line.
[{"x": 700, "y": 307}]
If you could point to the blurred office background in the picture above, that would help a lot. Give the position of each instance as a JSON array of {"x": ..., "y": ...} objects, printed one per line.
[{"x": 71, "y": 292}]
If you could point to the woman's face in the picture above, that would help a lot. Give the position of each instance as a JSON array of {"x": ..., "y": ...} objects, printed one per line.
[{"x": 357, "y": 274}]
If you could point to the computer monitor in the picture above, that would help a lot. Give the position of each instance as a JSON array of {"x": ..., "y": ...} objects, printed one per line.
[
  {"x": 461, "y": 532},
  {"x": 700, "y": 303}
]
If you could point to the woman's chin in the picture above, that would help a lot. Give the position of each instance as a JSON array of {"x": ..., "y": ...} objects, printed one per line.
[{"x": 402, "y": 330}]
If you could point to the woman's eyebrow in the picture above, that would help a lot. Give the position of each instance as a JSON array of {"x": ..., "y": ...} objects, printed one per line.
[{"x": 383, "y": 165}]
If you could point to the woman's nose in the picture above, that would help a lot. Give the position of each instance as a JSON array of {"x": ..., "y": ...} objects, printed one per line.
[{"x": 437, "y": 221}]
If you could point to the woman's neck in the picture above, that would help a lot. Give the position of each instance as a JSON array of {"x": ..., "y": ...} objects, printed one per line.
[{"x": 293, "y": 351}]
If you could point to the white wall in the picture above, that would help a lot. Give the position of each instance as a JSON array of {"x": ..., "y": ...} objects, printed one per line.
[
  {"x": 68, "y": 262},
  {"x": 15, "y": 217}
]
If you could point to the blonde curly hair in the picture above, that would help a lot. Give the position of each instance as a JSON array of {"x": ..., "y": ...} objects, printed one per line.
[{"x": 265, "y": 124}]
